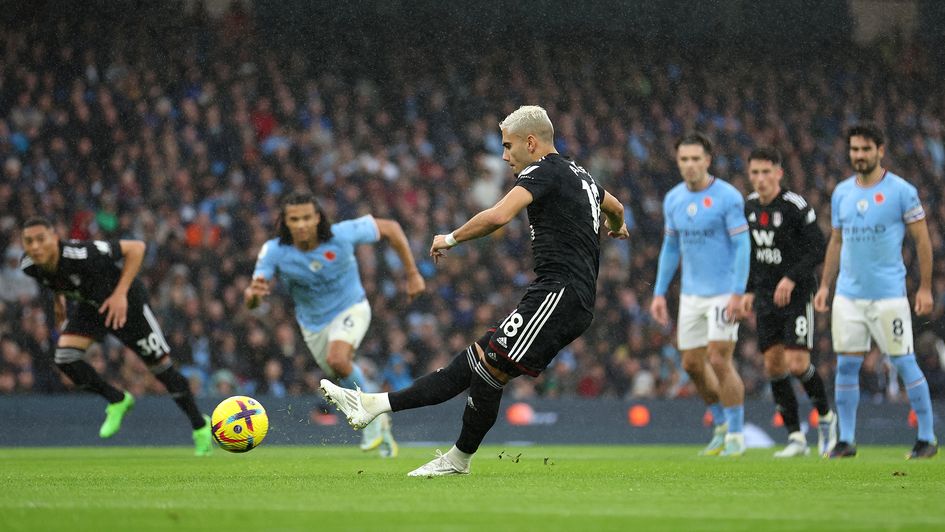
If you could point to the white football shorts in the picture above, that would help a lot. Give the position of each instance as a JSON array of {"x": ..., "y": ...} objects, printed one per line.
[
  {"x": 703, "y": 320},
  {"x": 854, "y": 322},
  {"x": 349, "y": 326}
]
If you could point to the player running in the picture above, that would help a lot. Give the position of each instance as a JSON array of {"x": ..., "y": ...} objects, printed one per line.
[
  {"x": 315, "y": 260},
  {"x": 706, "y": 228},
  {"x": 870, "y": 214},
  {"x": 106, "y": 299},
  {"x": 564, "y": 205},
  {"x": 786, "y": 247}
]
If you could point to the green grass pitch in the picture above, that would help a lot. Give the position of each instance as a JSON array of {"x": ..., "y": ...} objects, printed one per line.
[{"x": 582, "y": 488}]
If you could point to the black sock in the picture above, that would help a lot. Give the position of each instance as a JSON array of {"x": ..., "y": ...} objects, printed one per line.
[
  {"x": 434, "y": 388},
  {"x": 86, "y": 378},
  {"x": 787, "y": 402},
  {"x": 814, "y": 386},
  {"x": 179, "y": 389},
  {"x": 482, "y": 409}
]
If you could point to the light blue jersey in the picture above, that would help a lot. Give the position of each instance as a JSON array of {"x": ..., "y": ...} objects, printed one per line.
[
  {"x": 704, "y": 223},
  {"x": 325, "y": 281},
  {"x": 873, "y": 222}
]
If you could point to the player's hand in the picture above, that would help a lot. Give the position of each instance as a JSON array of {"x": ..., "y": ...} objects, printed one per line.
[
  {"x": 748, "y": 301},
  {"x": 115, "y": 309},
  {"x": 59, "y": 311},
  {"x": 620, "y": 234},
  {"x": 438, "y": 248},
  {"x": 258, "y": 287},
  {"x": 415, "y": 285},
  {"x": 659, "y": 311},
  {"x": 782, "y": 292},
  {"x": 923, "y": 302},
  {"x": 820, "y": 299},
  {"x": 733, "y": 310}
]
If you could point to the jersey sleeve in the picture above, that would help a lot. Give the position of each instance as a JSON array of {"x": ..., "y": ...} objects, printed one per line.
[
  {"x": 103, "y": 253},
  {"x": 266, "y": 262},
  {"x": 835, "y": 199},
  {"x": 811, "y": 240},
  {"x": 912, "y": 210},
  {"x": 669, "y": 228},
  {"x": 361, "y": 230},
  {"x": 735, "y": 221},
  {"x": 536, "y": 180}
]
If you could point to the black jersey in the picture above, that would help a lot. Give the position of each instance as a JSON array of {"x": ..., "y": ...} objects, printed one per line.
[
  {"x": 785, "y": 242},
  {"x": 565, "y": 218},
  {"x": 87, "y": 271}
]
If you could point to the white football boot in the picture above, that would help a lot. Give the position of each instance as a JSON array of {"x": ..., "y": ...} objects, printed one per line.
[
  {"x": 440, "y": 466},
  {"x": 826, "y": 433},
  {"x": 797, "y": 446},
  {"x": 734, "y": 445},
  {"x": 349, "y": 402}
]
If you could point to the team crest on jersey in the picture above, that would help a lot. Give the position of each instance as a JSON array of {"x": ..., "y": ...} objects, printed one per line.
[
  {"x": 691, "y": 210},
  {"x": 76, "y": 280},
  {"x": 776, "y": 219},
  {"x": 707, "y": 201},
  {"x": 315, "y": 266},
  {"x": 752, "y": 218},
  {"x": 879, "y": 198},
  {"x": 862, "y": 205}
]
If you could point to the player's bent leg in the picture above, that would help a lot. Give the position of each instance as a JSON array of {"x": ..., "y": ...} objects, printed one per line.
[
  {"x": 782, "y": 390},
  {"x": 179, "y": 390},
  {"x": 806, "y": 373},
  {"x": 69, "y": 358}
]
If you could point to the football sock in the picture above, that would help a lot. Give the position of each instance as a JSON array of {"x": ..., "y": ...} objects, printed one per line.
[
  {"x": 814, "y": 386},
  {"x": 718, "y": 414},
  {"x": 735, "y": 417},
  {"x": 437, "y": 387},
  {"x": 459, "y": 457},
  {"x": 179, "y": 389},
  {"x": 786, "y": 401},
  {"x": 84, "y": 376},
  {"x": 356, "y": 379},
  {"x": 482, "y": 409},
  {"x": 918, "y": 389},
  {"x": 847, "y": 394}
]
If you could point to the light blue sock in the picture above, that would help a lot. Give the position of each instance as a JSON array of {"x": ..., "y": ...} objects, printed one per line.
[
  {"x": 356, "y": 378},
  {"x": 735, "y": 416},
  {"x": 718, "y": 413},
  {"x": 918, "y": 389},
  {"x": 847, "y": 395}
]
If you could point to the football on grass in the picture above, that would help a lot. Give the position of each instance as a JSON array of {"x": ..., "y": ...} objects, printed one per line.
[{"x": 239, "y": 423}]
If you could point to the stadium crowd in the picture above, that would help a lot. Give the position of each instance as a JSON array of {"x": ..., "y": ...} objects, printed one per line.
[{"x": 184, "y": 132}]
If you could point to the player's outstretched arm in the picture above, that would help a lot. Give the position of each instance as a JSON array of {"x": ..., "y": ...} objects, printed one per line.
[
  {"x": 391, "y": 231},
  {"x": 613, "y": 209},
  {"x": 919, "y": 231},
  {"x": 831, "y": 268},
  {"x": 485, "y": 222},
  {"x": 115, "y": 307}
]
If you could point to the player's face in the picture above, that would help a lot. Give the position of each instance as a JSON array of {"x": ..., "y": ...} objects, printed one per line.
[
  {"x": 864, "y": 154},
  {"x": 515, "y": 151},
  {"x": 41, "y": 244},
  {"x": 765, "y": 177},
  {"x": 693, "y": 163},
  {"x": 302, "y": 221}
]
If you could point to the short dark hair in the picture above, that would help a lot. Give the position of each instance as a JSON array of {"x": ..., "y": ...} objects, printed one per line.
[
  {"x": 868, "y": 130},
  {"x": 766, "y": 153},
  {"x": 695, "y": 138},
  {"x": 323, "y": 231},
  {"x": 37, "y": 220}
]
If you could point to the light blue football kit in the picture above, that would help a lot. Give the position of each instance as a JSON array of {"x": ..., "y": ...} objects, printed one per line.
[
  {"x": 323, "y": 282},
  {"x": 871, "y": 291},
  {"x": 707, "y": 229}
]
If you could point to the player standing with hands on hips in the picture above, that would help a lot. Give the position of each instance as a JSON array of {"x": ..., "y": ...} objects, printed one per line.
[
  {"x": 786, "y": 247},
  {"x": 870, "y": 214}
]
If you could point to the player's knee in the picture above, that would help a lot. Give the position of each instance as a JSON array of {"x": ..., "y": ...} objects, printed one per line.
[
  {"x": 340, "y": 364},
  {"x": 775, "y": 367},
  {"x": 849, "y": 365},
  {"x": 798, "y": 366},
  {"x": 720, "y": 363},
  {"x": 693, "y": 365},
  {"x": 68, "y": 355}
]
